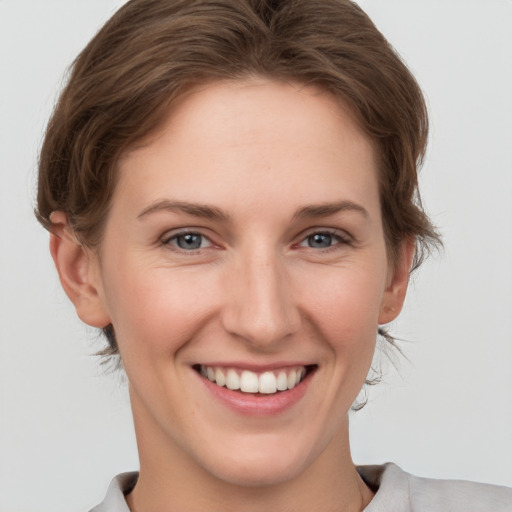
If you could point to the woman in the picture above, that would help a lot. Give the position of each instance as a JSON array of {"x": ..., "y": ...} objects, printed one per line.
[{"x": 231, "y": 189}]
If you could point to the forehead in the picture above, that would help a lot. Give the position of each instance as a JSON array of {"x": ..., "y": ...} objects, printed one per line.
[{"x": 249, "y": 132}]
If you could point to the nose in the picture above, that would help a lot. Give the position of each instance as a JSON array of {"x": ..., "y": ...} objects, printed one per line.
[{"x": 260, "y": 306}]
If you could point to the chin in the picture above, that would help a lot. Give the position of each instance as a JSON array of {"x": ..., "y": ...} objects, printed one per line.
[
  {"x": 254, "y": 463},
  {"x": 259, "y": 473}
]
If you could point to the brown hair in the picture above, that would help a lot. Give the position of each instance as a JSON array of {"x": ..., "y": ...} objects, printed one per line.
[{"x": 152, "y": 51}]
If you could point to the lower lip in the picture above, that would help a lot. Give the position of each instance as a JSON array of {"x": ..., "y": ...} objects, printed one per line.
[{"x": 258, "y": 404}]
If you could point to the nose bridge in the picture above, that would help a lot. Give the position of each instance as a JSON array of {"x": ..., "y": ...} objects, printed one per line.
[{"x": 261, "y": 308}]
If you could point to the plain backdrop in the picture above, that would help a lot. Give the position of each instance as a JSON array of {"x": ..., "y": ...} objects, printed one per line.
[{"x": 65, "y": 426}]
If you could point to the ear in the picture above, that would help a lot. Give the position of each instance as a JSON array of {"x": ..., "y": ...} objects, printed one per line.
[
  {"x": 396, "y": 289},
  {"x": 78, "y": 272}
]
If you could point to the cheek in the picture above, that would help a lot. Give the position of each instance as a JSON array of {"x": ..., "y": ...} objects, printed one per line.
[
  {"x": 346, "y": 308},
  {"x": 157, "y": 310}
]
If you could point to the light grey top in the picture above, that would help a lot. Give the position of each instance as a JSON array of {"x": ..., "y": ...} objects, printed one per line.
[{"x": 396, "y": 491}]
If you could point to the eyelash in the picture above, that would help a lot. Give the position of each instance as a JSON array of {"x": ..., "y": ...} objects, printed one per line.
[{"x": 338, "y": 239}]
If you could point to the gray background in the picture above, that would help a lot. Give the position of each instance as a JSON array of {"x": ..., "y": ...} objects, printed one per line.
[{"x": 65, "y": 427}]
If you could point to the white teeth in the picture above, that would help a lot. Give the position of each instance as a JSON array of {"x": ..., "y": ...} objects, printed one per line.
[
  {"x": 220, "y": 378},
  {"x": 249, "y": 382},
  {"x": 292, "y": 379},
  {"x": 268, "y": 382},
  {"x": 282, "y": 381},
  {"x": 232, "y": 380}
]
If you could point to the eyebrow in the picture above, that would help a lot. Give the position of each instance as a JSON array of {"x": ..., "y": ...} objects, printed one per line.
[
  {"x": 211, "y": 212},
  {"x": 197, "y": 210},
  {"x": 327, "y": 209}
]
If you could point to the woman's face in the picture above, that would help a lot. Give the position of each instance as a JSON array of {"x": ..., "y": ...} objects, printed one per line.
[{"x": 244, "y": 247}]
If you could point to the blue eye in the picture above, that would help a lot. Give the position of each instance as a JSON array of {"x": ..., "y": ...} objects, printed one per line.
[
  {"x": 323, "y": 240},
  {"x": 189, "y": 241},
  {"x": 320, "y": 240}
]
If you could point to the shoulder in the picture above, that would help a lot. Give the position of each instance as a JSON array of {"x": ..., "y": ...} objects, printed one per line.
[
  {"x": 399, "y": 491},
  {"x": 114, "y": 500},
  {"x": 396, "y": 491}
]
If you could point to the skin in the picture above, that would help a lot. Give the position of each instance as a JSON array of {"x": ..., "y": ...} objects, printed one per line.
[{"x": 262, "y": 156}]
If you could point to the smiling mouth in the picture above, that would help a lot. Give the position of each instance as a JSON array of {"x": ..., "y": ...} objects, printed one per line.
[{"x": 246, "y": 381}]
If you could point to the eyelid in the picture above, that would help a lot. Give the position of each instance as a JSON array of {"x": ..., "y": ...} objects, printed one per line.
[
  {"x": 169, "y": 235},
  {"x": 340, "y": 234}
]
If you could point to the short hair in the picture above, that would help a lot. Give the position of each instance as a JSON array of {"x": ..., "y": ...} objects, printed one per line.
[{"x": 152, "y": 51}]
